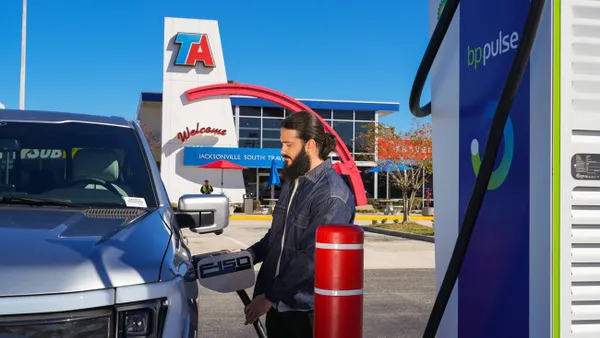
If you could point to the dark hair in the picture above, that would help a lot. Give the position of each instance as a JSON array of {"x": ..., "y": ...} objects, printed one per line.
[{"x": 309, "y": 127}]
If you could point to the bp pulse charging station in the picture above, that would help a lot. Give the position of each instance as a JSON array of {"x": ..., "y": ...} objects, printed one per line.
[{"x": 532, "y": 268}]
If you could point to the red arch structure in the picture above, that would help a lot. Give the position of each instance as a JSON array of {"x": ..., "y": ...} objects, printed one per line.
[{"x": 348, "y": 166}]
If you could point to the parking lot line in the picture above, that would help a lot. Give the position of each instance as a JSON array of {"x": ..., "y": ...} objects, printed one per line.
[{"x": 240, "y": 243}]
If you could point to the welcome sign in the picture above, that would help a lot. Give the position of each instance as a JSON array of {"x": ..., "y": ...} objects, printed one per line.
[{"x": 247, "y": 157}]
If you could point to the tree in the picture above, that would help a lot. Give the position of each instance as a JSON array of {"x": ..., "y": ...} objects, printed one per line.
[
  {"x": 408, "y": 152},
  {"x": 151, "y": 137}
]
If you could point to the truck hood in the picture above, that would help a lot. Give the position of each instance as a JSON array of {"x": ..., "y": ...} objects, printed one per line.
[{"x": 52, "y": 250}]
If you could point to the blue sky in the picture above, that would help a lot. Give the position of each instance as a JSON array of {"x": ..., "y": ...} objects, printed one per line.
[{"x": 97, "y": 56}]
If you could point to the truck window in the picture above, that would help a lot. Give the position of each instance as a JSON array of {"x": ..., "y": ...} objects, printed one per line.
[{"x": 90, "y": 164}]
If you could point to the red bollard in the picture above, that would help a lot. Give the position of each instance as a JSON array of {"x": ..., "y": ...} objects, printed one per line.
[{"x": 339, "y": 272}]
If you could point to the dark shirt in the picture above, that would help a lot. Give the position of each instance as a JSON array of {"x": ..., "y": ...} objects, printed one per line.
[{"x": 321, "y": 197}]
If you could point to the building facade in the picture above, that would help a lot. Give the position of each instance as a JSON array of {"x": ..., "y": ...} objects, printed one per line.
[
  {"x": 257, "y": 123},
  {"x": 194, "y": 124}
]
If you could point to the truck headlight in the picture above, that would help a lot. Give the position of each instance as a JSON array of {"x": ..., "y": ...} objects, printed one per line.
[{"x": 141, "y": 320}]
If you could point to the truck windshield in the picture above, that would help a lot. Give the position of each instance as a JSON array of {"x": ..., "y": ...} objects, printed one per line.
[{"x": 88, "y": 164}]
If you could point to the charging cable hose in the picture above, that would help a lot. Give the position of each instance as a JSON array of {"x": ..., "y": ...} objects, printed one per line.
[{"x": 494, "y": 139}]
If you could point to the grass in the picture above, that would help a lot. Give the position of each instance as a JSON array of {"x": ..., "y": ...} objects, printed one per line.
[{"x": 410, "y": 227}]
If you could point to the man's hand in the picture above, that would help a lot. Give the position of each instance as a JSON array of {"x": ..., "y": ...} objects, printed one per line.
[
  {"x": 258, "y": 307},
  {"x": 249, "y": 250}
]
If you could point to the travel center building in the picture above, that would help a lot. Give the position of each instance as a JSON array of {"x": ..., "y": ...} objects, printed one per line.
[{"x": 240, "y": 129}]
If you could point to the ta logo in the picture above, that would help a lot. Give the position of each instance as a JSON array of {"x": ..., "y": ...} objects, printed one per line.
[
  {"x": 498, "y": 175},
  {"x": 193, "y": 48}
]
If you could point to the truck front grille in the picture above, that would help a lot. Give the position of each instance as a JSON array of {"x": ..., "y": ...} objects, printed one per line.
[{"x": 79, "y": 324}]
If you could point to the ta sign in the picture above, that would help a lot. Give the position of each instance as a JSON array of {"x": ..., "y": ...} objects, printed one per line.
[{"x": 193, "y": 48}]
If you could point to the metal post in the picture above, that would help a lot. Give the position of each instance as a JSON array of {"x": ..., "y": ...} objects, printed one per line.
[
  {"x": 387, "y": 188},
  {"x": 339, "y": 273},
  {"x": 423, "y": 191},
  {"x": 375, "y": 185},
  {"x": 23, "y": 58}
]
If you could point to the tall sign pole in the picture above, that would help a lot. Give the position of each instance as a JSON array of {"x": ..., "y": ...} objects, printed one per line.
[{"x": 23, "y": 44}]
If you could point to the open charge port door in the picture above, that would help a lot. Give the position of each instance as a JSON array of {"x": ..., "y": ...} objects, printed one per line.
[{"x": 226, "y": 272}]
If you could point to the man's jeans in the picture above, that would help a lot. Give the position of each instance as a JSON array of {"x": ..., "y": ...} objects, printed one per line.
[{"x": 291, "y": 324}]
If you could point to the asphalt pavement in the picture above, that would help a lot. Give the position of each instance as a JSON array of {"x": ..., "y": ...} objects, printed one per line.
[{"x": 399, "y": 285}]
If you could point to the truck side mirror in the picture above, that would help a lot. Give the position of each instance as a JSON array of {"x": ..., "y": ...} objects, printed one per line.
[{"x": 203, "y": 214}]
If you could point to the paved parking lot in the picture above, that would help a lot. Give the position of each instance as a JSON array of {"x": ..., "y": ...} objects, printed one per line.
[
  {"x": 381, "y": 252},
  {"x": 399, "y": 284}
]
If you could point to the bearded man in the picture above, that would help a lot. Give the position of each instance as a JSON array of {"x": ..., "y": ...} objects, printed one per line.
[{"x": 312, "y": 194}]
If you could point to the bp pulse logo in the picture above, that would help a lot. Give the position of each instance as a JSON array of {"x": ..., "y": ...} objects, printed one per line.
[
  {"x": 193, "y": 48},
  {"x": 501, "y": 171},
  {"x": 480, "y": 56}
]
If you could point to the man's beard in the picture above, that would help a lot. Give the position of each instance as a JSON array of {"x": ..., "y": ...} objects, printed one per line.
[{"x": 299, "y": 166}]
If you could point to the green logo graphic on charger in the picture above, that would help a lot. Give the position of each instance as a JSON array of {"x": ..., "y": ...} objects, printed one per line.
[
  {"x": 498, "y": 175},
  {"x": 480, "y": 56}
]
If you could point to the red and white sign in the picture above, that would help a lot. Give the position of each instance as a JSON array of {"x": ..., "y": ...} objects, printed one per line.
[
  {"x": 187, "y": 133},
  {"x": 193, "y": 57},
  {"x": 193, "y": 48}
]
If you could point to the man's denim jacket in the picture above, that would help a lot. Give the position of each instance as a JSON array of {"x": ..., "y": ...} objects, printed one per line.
[{"x": 322, "y": 197}]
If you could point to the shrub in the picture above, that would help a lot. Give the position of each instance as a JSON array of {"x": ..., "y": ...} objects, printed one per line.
[{"x": 417, "y": 203}]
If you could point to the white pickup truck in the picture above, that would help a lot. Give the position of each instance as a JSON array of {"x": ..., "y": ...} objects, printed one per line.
[{"x": 90, "y": 244}]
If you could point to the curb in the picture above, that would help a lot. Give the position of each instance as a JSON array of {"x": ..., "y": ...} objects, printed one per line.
[
  {"x": 393, "y": 233},
  {"x": 250, "y": 218},
  {"x": 357, "y": 218}
]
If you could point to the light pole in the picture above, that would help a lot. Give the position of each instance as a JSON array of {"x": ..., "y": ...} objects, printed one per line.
[{"x": 23, "y": 44}]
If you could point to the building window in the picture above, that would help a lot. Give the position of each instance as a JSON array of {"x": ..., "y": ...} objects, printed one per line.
[
  {"x": 364, "y": 115},
  {"x": 249, "y": 143},
  {"x": 249, "y": 132},
  {"x": 360, "y": 127},
  {"x": 271, "y": 131},
  {"x": 346, "y": 132},
  {"x": 273, "y": 112},
  {"x": 343, "y": 115},
  {"x": 272, "y": 124},
  {"x": 324, "y": 113},
  {"x": 364, "y": 157},
  {"x": 249, "y": 123},
  {"x": 271, "y": 134},
  {"x": 271, "y": 144},
  {"x": 250, "y": 181},
  {"x": 250, "y": 111},
  {"x": 368, "y": 181}
]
